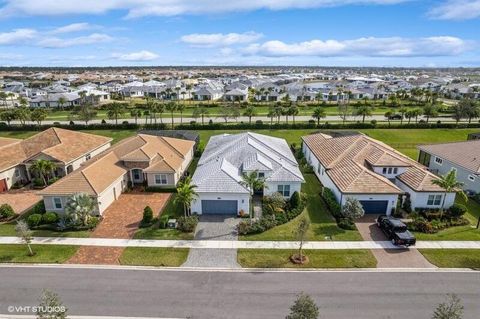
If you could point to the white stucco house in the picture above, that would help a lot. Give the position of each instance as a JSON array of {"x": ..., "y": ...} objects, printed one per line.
[
  {"x": 227, "y": 157},
  {"x": 374, "y": 173}
]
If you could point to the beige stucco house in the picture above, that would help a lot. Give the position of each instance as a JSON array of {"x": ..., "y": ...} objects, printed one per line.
[{"x": 143, "y": 159}]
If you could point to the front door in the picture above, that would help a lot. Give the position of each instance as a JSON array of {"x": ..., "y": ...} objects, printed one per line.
[
  {"x": 3, "y": 185},
  {"x": 137, "y": 176}
]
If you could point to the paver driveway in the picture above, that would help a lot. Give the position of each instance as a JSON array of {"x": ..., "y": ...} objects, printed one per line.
[
  {"x": 390, "y": 258},
  {"x": 120, "y": 220},
  {"x": 214, "y": 227},
  {"x": 20, "y": 200}
]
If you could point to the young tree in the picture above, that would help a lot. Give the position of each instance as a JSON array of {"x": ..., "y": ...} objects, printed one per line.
[
  {"x": 363, "y": 111},
  {"x": 452, "y": 308},
  {"x": 38, "y": 115},
  {"x": 388, "y": 115},
  {"x": 51, "y": 306},
  {"x": 185, "y": 194},
  {"x": 402, "y": 111},
  {"x": 79, "y": 208},
  {"x": 180, "y": 108},
  {"x": 250, "y": 112},
  {"x": 171, "y": 107},
  {"x": 318, "y": 114},
  {"x": 235, "y": 113},
  {"x": 303, "y": 308},
  {"x": 429, "y": 110},
  {"x": 301, "y": 234},
  {"x": 85, "y": 112},
  {"x": 225, "y": 113},
  {"x": 469, "y": 109},
  {"x": 43, "y": 168},
  {"x": 252, "y": 182},
  {"x": 201, "y": 112},
  {"x": 344, "y": 111},
  {"x": 458, "y": 112},
  {"x": 8, "y": 116},
  {"x": 293, "y": 111},
  {"x": 115, "y": 110},
  {"x": 352, "y": 209},
  {"x": 22, "y": 230},
  {"x": 61, "y": 102},
  {"x": 22, "y": 114},
  {"x": 136, "y": 113},
  {"x": 450, "y": 184}
]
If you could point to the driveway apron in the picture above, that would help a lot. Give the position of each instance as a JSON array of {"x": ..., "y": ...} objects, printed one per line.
[
  {"x": 214, "y": 227},
  {"x": 390, "y": 258}
]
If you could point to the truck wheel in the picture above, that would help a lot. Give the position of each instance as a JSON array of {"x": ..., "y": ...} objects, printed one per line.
[{"x": 394, "y": 241}]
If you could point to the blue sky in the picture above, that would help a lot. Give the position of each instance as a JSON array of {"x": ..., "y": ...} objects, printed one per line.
[{"x": 247, "y": 32}]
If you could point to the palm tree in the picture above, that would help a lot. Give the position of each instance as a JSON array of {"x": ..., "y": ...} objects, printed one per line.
[
  {"x": 185, "y": 194},
  {"x": 402, "y": 112},
  {"x": 293, "y": 111},
  {"x": 171, "y": 107},
  {"x": 250, "y": 111},
  {"x": 136, "y": 113},
  {"x": 363, "y": 111},
  {"x": 61, "y": 101},
  {"x": 115, "y": 110},
  {"x": 318, "y": 113},
  {"x": 429, "y": 110},
  {"x": 450, "y": 184},
  {"x": 180, "y": 108},
  {"x": 388, "y": 115},
  {"x": 252, "y": 182},
  {"x": 80, "y": 207},
  {"x": 43, "y": 168}
]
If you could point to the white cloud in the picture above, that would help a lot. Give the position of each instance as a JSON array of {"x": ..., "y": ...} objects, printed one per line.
[
  {"x": 369, "y": 47},
  {"x": 220, "y": 39},
  {"x": 456, "y": 10},
  {"x": 142, "y": 8},
  {"x": 54, "y": 42},
  {"x": 137, "y": 56},
  {"x": 74, "y": 27},
  {"x": 17, "y": 36}
]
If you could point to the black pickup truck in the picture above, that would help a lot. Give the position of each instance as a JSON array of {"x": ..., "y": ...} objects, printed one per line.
[{"x": 396, "y": 231}]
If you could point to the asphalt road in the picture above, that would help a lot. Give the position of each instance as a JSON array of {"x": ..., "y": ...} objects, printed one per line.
[{"x": 202, "y": 294}]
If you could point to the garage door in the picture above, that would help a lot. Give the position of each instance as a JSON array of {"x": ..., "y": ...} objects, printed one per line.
[
  {"x": 3, "y": 185},
  {"x": 220, "y": 207},
  {"x": 375, "y": 206}
]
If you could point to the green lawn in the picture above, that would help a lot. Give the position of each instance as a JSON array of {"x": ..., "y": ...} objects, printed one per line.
[
  {"x": 154, "y": 232},
  {"x": 53, "y": 254},
  {"x": 322, "y": 226},
  {"x": 279, "y": 258},
  {"x": 9, "y": 230},
  {"x": 453, "y": 258},
  {"x": 146, "y": 256},
  {"x": 468, "y": 232}
]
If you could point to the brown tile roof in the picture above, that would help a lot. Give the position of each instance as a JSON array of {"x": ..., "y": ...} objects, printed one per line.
[
  {"x": 4, "y": 141},
  {"x": 465, "y": 154},
  {"x": 60, "y": 144},
  {"x": 349, "y": 159},
  {"x": 100, "y": 172}
]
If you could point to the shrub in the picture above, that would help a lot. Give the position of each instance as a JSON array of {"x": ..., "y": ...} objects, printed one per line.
[
  {"x": 103, "y": 121},
  {"x": 6, "y": 211},
  {"x": 187, "y": 224},
  {"x": 39, "y": 208},
  {"x": 422, "y": 225},
  {"x": 273, "y": 204},
  {"x": 34, "y": 220},
  {"x": 331, "y": 202},
  {"x": 295, "y": 200},
  {"x": 93, "y": 222},
  {"x": 407, "y": 205},
  {"x": 49, "y": 218},
  {"x": 346, "y": 223},
  {"x": 352, "y": 209},
  {"x": 457, "y": 211},
  {"x": 38, "y": 182},
  {"x": 147, "y": 217},
  {"x": 163, "y": 221},
  {"x": 281, "y": 218}
]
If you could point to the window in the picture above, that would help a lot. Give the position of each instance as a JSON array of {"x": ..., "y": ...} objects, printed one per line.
[
  {"x": 57, "y": 203},
  {"x": 17, "y": 172},
  {"x": 438, "y": 160},
  {"x": 136, "y": 174},
  {"x": 434, "y": 200},
  {"x": 390, "y": 170},
  {"x": 88, "y": 156},
  {"x": 161, "y": 179},
  {"x": 284, "y": 190},
  {"x": 471, "y": 178},
  {"x": 395, "y": 170},
  {"x": 261, "y": 175},
  {"x": 384, "y": 170}
]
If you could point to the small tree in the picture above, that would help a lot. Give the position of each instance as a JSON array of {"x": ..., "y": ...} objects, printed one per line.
[
  {"x": 352, "y": 209},
  {"x": 450, "y": 184},
  {"x": 51, "y": 306},
  {"x": 80, "y": 208},
  {"x": 25, "y": 234},
  {"x": 185, "y": 194},
  {"x": 452, "y": 308},
  {"x": 252, "y": 182},
  {"x": 318, "y": 114},
  {"x": 301, "y": 233},
  {"x": 303, "y": 308}
]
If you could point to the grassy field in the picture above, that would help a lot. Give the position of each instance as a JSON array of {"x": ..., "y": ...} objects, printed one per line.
[
  {"x": 52, "y": 254},
  {"x": 279, "y": 258},
  {"x": 146, "y": 256},
  {"x": 453, "y": 258},
  {"x": 9, "y": 230},
  {"x": 322, "y": 224}
]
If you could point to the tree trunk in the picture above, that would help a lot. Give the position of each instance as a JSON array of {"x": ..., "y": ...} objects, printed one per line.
[{"x": 30, "y": 251}]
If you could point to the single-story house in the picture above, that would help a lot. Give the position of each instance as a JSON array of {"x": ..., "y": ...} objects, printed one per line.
[
  {"x": 67, "y": 149},
  {"x": 227, "y": 157},
  {"x": 148, "y": 160},
  {"x": 463, "y": 157},
  {"x": 374, "y": 173}
]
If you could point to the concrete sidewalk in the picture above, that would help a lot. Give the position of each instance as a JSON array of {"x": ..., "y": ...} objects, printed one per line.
[{"x": 228, "y": 244}]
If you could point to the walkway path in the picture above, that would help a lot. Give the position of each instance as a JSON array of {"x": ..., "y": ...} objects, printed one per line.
[
  {"x": 120, "y": 221},
  {"x": 214, "y": 228},
  {"x": 231, "y": 244},
  {"x": 390, "y": 258}
]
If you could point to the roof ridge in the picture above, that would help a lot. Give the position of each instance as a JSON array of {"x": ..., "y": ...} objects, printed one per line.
[
  {"x": 221, "y": 168},
  {"x": 250, "y": 134},
  {"x": 344, "y": 153},
  {"x": 162, "y": 138}
]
